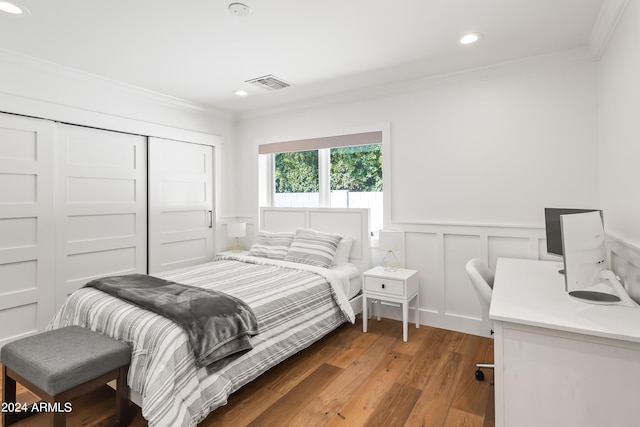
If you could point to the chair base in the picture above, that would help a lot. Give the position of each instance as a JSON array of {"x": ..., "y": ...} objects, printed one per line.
[{"x": 479, "y": 373}]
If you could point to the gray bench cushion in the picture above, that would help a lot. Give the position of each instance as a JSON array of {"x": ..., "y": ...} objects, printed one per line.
[{"x": 61, "y": 359}]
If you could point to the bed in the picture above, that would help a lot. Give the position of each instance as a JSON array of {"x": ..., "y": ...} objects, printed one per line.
[{"x": 295, "y": 302}]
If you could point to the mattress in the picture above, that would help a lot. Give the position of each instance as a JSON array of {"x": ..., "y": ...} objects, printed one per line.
[{"x": 354, "y": 285}]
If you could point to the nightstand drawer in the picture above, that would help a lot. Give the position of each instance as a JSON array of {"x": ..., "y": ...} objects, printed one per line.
[{"x": 384, "y": 286}]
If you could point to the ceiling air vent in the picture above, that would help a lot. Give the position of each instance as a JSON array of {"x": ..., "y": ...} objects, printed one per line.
[{"x": 269, "y": 82}]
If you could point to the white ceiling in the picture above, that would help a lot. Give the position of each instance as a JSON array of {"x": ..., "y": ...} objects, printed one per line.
[{"x": 196, "y": 50}]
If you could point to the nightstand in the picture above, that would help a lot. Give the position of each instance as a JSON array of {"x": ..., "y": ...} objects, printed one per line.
[{"x": 400, "y": 286}]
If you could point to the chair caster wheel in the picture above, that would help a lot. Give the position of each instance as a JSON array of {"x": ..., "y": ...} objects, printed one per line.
[{"x": 479, "y": 375}]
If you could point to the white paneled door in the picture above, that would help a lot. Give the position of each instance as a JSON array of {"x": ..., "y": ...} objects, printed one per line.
[
  {"x": 101, "y": 206},
  {"x": 27, "y": 233},
  {"x": 181, "y": 217}
]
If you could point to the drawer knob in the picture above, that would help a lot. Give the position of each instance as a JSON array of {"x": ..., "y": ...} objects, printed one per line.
[{"x": 383, "y": 286}]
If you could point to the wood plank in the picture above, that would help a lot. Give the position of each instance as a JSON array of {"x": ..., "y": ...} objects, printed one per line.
[
  {"x": 424, "y": 365},
  {"x": 344, "y": 336},
  {"x": 371, "y": 392},
  {"x": 281, "y": 412},
  {"x": 471, "y": 395},
  {"x": 349, "y": 354},
  {"x": 456, "y": 417},
  {"x": 244, "y": 406},
  {"x": 490, "y": 411},
  {"x": 420, "y": 339},
  {"x": 433, "y": 405},
  {"x": 329, "y": 401},
  {"x": 470, "y": 344},
  {"x": 398, "y": 404},
  {"x": 298, "y": 367}
]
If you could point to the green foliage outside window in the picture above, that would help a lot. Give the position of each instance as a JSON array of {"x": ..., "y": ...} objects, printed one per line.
[
  {"x": 297, "y": 172},
  {"x": 357, "y": 168}
]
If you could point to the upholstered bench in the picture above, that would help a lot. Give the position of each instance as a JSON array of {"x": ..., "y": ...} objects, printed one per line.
[{"x": 60, "y": 365}]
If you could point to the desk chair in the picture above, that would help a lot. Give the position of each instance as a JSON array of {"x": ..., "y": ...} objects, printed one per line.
[{"x": 482, "y": 280}]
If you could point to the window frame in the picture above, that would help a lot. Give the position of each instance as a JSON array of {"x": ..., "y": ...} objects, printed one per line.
[{"x": 268, "y": 149}]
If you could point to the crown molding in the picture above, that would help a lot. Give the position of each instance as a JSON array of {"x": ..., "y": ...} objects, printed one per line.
[
  {"x": 564, "y": 58},
  {"x": 605, "y": 25},
  {"x": 40, "y": 66}
]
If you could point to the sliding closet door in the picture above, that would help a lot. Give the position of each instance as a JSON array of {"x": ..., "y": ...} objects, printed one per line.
[
  {"x": 181, "y": 214},
  {"x": 101, "y": 206},
  {"x": 27, "y": 280}
]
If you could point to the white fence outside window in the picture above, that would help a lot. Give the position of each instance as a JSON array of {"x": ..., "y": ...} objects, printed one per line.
[{"x": 339, "y": 199}]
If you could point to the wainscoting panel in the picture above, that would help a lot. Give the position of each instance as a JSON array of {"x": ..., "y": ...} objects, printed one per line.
[
  {"x": 458, "y": 249},
  {"x": 426, "y": 254},
  {"x": 440, "y": 251},
  {"x": 513, "y": 247}
]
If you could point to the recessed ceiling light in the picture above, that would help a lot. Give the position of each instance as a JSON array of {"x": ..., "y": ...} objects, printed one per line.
[
  {"x": 241, "y": 93},
  {"x": 470, "y": 38},
  {"x": 11, "y": 8},
  {"x": 239, "y": 9}
]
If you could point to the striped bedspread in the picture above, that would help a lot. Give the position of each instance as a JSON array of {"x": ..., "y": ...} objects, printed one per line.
[{"x": 294, "y": 306}]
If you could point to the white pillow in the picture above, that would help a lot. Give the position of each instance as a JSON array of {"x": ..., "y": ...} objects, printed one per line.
[
  {"x": 313, "y": 247},
  {"x": 343, "y": 252},
  {"x": 271, "y": 245}
]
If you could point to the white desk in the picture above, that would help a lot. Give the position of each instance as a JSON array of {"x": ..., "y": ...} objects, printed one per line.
[{"x": 560, "y": 361}]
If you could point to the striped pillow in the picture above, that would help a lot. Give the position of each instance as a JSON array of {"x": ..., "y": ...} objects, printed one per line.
[
  {"x": 271, "y": 245},
  {"x": 313, "y": 247}
]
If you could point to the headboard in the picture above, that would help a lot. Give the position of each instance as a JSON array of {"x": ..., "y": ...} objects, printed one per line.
[{"x": 352, "y": 222}]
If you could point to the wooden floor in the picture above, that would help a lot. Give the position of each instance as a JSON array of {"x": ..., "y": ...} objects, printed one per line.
[{"x": 347, "y": 379}]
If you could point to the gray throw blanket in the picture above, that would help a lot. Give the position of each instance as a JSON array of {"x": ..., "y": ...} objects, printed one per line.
[{"x": 218, "y": 324}]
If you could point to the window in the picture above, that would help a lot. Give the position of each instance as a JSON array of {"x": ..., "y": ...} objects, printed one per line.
[
  {"x": 297, "y": 179},
  {"x": 334, "y": 172}
]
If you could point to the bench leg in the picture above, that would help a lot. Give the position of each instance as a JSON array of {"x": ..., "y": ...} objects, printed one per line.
[
  {"x": 59, "y": 419},
  {"x": 122, "y": 397},
  {"x": 9, "y": 396}
]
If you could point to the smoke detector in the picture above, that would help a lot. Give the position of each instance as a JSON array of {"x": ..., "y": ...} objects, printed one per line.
[
  {"x": 239, "y": 9},
  {"x": 269, "y": 82}
]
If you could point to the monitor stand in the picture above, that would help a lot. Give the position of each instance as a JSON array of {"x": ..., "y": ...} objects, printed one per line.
[
  {"x": 595, "y": 296},
  {"x": 618, "y": 296}
]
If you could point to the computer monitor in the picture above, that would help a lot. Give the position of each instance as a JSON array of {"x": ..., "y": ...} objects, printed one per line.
[
  {"x": 585, "y": 257},
  {"x": 553, "y": 227}
]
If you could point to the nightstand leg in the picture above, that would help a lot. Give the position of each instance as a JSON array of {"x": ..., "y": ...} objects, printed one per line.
[
  {"x": 417, "y": 311},
  {"x": 379, "y": 304},
  {"x": 365, "y": 315},
  {"x": 405, "y": 320}
]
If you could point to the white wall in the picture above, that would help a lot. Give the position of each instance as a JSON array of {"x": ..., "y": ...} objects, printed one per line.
[
  {"x": 619, "y": 102},
  {"x": 475, "y": 158}
]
